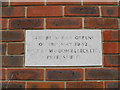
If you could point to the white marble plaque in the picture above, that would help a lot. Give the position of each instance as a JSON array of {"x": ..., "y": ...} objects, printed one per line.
[{"x": 63, "y": 48}]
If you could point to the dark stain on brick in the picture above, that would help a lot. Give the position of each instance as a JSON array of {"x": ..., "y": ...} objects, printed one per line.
[
  {"x": 64, "y": 22},
  {"x": 12, "y": 85},
  {"x": 7, "y": 11},
  {"x": 114, "y": 85},
  {"x": 110, "y": 11},
  {"x": 23, "y": 75},
  {"x": 103, "y": 74},
  {"x": 2, "y": 49},
  {"x": 83, "y": 10},
  {"x": 25, "y": 23},
  {"x": 63, "y": 75}
]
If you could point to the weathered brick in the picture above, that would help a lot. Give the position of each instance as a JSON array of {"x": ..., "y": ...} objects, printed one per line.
[
  {"x": 26, "y": 23},
  {"x": 12, "y": 35},
  {"x": 27, "y": 2},
  {"x": 2, "y": 74},
  {"x": 4, "y": 3},
  {"x": 100, "y": 2},
  {"x": 4, "y": 23},
  {"x": 111, "y": 60},
  {"x": 44, "y": 11},
  {"x": 112, "y": 85},
  {"x": 109, "y": 11},
  {"x": 50, "y": 85},
  {"x": 25, "y": 74},
  {"x": 64, "y": 23},
  {"x": 111, "y": 47},
  {"x": 13, "y": 12},
  {"x": 64, "y": 74},
  {"x": 12, "y": 61},
  {"x": 102, "y": 74},
  {"x": 81, "y": 11},
  {"x": 16, "y": 48},
  {"x": 111, "y": 35},
  {"x": 11, "y": 85},
  {"x": 101, "y": 23},
  {"x": 2, "y": 48},
  {"x": 83, "y": 85},
  {"x": 63, "y": 2}
]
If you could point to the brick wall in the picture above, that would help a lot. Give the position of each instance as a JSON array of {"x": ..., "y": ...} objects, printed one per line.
[{"x": 20, "y": 16}]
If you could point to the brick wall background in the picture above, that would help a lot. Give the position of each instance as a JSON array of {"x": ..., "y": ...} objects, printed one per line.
[{"x": 17, "y": 17}]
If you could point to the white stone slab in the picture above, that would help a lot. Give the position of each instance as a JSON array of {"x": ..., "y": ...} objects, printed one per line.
[{"x": 63, "y": 48}]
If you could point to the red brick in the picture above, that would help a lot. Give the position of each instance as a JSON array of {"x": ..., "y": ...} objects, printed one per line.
[
  {"x": 100, "y": 2},
  {"x": 4, "y": 23},
  {"x": 111, "y": 47},
  {"x": 25, "y": 74},
  {"x": 2, "y": 74},
  {"x": 84, "y": 84},
  {"x": 11, "y": 85},
  {"x": 12, "y": 35},
  {"x": 111, "y": 60},
  {"x": 112, "y": 85},
  {"x": 101, "y": 23},
  {"x": 13, "y": 12},
  {"x": 81, "y": 11},
  {"x": 27, "y": 2},
  {"x": 44, "y": 11},
  {"x": 15, "y": 48},
  {"x": 109, "y": 11},
  {"x": 12, "y": 61},
  {"x": 63, "y": 2},
  {"x": 2, "y": 48},
  {"x": 26, "y": 23},
  {"x": 64, "y": 74},
  {"x": 4, "y": 3},
  {"x": 40, "y": 85},
  {"x": 102, "y": 74},
  {"x": 64, "y": 23},
  {"x": 111, "y": 35}
]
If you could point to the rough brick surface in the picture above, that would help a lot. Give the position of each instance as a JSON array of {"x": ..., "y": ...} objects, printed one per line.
[
  {"x": 101, "y": 23},
  {"x": 13, "y": 85},
  {"x": 64, "y": 23},
  {"x": 2, "y": 48},
  {"x": 13, "y": 12},
  {"x": 64, "y": 74},
  {"x": 111, "y": 47},
  {"x": 12, "y": 61},
  {"x": 44, "y": 11},
  {"x": 83, "y": 85},
  {"x": 111, "y": 60},
  {"x": 16, "y": 48},
  {"x": 12, "y": 36},
  {"x": 102, "y": 74},
  {"x": 110, "y": 11},
  {"x": 111, "y": 35},
  {"x": 2, "y": 74},
  {"x": 25, "y": 74},
  {"x": 40, "y": 85},
  {"x": 26, "y": 23},
  {"x": 4, "y": 23},
  {"x": 81, "y": 11},
  {"x": 112, "y": 85}
]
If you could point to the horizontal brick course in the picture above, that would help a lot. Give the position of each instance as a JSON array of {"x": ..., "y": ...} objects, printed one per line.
[
  {"x": 102, "y": 74},
  {"x": 101, "y": 23},
  {"x": 12, "y": 61},
  {"x": 81, "y": 11},
  {"x": 2, "y": 48},
  {"x": 12, "y": 35},
  {"x": 16, "y": 48},
  {"x": 112, "y": 85},
  {"x": 64, "y": 74},
  {"x": 25, "y": 74},
  {"x": 44, "y": 11},
  {"x": 64, "y": 23},
  {"x": 26, "y": 23},
  {"x": 2, "y": 74},
  {"x": 13, "y": 12},
  {"x": 4, "y": 23}
]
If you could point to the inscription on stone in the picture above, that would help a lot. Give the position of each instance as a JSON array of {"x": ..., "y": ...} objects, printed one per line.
[{"x": 63, "y": 48}]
